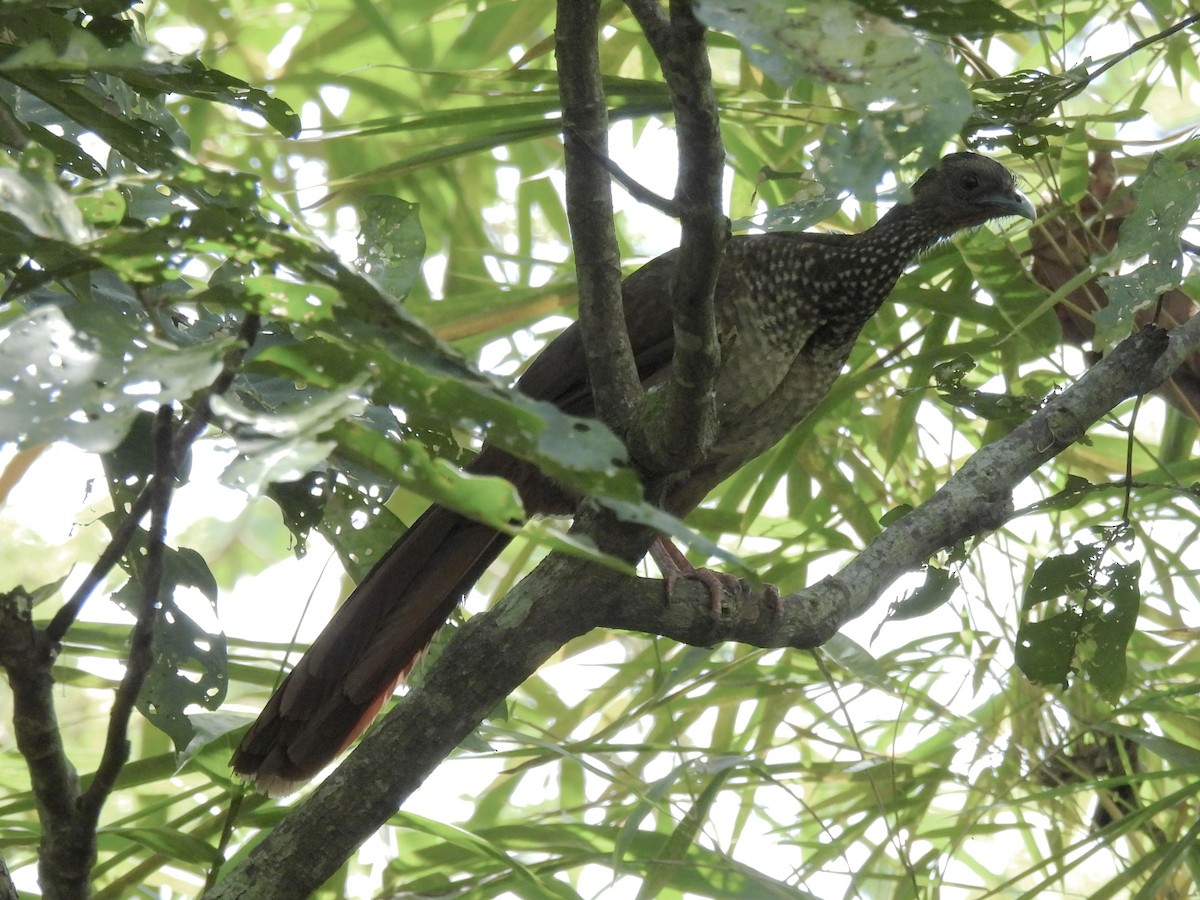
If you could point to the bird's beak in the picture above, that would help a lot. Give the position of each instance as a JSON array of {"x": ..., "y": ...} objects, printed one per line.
[{"x": 1015, "y": 204}]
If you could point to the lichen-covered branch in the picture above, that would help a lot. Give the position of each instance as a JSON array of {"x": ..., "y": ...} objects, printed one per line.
[{"x": 679, "y": 430}]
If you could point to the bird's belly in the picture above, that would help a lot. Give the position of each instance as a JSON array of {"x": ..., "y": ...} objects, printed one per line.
[
  {"x": 747, "y": 382},
  {"x": 758, "y": 412}
]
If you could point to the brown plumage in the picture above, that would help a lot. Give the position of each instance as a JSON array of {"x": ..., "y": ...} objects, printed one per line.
[{"x": 789, "y": 307}]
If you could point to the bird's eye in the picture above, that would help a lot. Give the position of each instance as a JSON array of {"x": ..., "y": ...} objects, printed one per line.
[{"x": 969, "y": 181}]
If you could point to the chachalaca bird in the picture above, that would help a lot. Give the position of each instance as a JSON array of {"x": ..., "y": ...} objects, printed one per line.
[{"x": 789, "y": 307}]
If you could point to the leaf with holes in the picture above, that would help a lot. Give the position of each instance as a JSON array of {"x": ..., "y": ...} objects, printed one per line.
[{"x": 1168, "y": 194}]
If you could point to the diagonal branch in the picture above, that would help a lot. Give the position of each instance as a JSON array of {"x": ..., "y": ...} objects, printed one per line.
[
  {"x": 1184, "y": 342},
  {"x": 976, "y": 500},
  {"x": 479, "y": 667},
  {"x": 632, "y": 186}
]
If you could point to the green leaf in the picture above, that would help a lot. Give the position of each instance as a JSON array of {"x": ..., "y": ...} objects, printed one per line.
[
  {"x": 41, "y": 207},
  {"x": 978, "y": 18},
  {"x": 1093, "y": 633},
  {"x": 192, "y": 78},
  {"x": 1183, "y": 757},
  {"x": 855, "y": 658},
  {"x": 1111, "y": 622},
  {"x": 391, "y": 244},
  {"x": 1062, "y": 575},
  {"x": 1045, "y": 650},
  {"x": 949, "y": 377},
  {"x": 129, "y": 465},
  {"x": 191, "y": 666},
  {"x": 579, "y": 452},
  {"x": 1026, "y": 96},
  {"x": 487, "y": 499},
  {"x": 909, "y": 97},
  {"x": 1074, "y": 491},
  {"x": 1074, "y": 174},
  {"x": 285, "y": 443},
  {"x": 85, "y": 382},
  {"x": 937, "y": 590},
  {"x": 895, "y": 514},
  {"x": 172, "y": 844},
  {"x": 132, "y": 136},
  {"x": 531, "y": 884},
  {"x": 72, "y": 50},
  {"x": 661, "y": 874}
]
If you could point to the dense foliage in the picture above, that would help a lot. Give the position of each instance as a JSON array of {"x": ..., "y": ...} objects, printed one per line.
[{"x": 298, "y": 249}]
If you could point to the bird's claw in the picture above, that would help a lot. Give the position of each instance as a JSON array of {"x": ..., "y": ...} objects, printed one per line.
[
  {"x": 716, "y": 582},
  {"x": 675, "y": 567}
]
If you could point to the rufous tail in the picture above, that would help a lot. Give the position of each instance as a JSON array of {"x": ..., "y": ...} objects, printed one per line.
[{"x": 338, "y": 686}]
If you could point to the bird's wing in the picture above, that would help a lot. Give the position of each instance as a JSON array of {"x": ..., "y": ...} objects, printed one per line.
[{"x": 559, "y": 373}]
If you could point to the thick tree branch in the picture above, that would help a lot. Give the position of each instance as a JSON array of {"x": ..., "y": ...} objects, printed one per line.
[
  {"x": 8, "y": 890},
  {"x": 1184, "y": 342},
  {"x": 478, "y": 668},
  {"x": 67, "y": 846},
  {"x": 678, "y": 429},
  {"x": 616, "y": 386}
]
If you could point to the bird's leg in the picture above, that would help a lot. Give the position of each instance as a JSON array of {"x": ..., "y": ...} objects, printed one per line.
[{"x": 674, "y": 566}]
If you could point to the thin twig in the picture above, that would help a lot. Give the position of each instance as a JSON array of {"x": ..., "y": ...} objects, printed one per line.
[
  {"x": 141, "y": 650},
  {"x": 1133, "y": 417},
  {"x": 970, "y": 53},
  {"x": 633, "y": 187},
  {"x": 1129, "y": 444},
  {"x": 191, "y": 429},
  {"x": 881, "y": 805},
  {"x": 237, "y": 796},
  {"x": 1137, "y": 46}
]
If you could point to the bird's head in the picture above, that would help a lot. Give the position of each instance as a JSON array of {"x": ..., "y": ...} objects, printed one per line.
[{"x": 965, "y": 190}]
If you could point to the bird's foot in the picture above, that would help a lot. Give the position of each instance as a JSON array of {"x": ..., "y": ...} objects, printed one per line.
[{"x": 675, "y": 566}]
